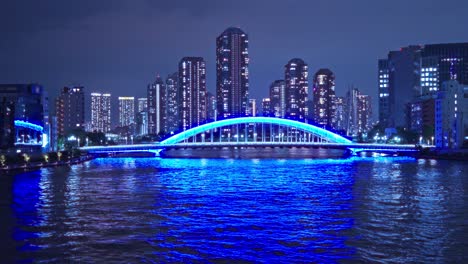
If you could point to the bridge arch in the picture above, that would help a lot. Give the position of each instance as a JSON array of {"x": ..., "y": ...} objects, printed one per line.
[{"x": 308, "y": 128}]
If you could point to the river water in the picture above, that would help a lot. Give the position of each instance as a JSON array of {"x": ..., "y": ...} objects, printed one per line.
[{"x": 152, "y": 210}]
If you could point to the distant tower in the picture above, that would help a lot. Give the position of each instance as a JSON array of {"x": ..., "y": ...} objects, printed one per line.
[
  {"x": 296, "y": 72},
  {"x": 172, "y": 97},
  {"x": 266, "y": 107},
  {"x": 142, "y": 104},
  {"x": 232, "y": 74},
  {"x": 69, "y": 108},
  {"x": 100, "y": 112},
  {"x": 211, "y": 107},
  {"x": 324, "y": 98},
  {"x": 192, "y": 91},
  {"x": 278, "y": 98},
  {"x": 252, "y": 110},
  {"x": 156, "y": 106},
  {"x": 126, "y": 111}
]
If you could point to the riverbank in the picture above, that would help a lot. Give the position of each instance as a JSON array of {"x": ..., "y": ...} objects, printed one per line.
[{"x": 38, "y": 165}]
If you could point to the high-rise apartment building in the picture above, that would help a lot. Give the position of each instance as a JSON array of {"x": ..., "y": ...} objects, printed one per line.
[
  {"x": 441, "y": 63},
  {"x": 297, "y": 85},
  {"x": 211, "y": 107},
  {"x": 232, "y": 73},
  {"x": 101, "y": 112},
  {"x": 409, "y": 80},
  {"x": 358, "y": 119},
  {"x": 192, "y": 91},
  {"x": 278, "y": 98},
  {"x": 70, "y": 110},
  {"x": 156, "y": 106},
  {"x": 172, "y": 98},
  {"x": 451, "y": 115},
  {"x": 324, "y": 98},
  {"x": 266, "y": 107},
  {"x": 252, "y": 110},
  {"x": 142, "y": 104},
  {"x": 384, "y": 93},
  {"x": 341, "y": 113},
  {"x": 126, "y": 111}
]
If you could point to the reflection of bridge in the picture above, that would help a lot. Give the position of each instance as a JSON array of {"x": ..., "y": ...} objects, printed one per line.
[{"x": 254, "y": 132}]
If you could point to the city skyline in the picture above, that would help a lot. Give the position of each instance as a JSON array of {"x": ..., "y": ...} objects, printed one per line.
[{"x": 101, "y": 63}]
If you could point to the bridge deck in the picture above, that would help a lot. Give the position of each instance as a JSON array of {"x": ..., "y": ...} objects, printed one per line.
[{"x": 156, "y": 147}]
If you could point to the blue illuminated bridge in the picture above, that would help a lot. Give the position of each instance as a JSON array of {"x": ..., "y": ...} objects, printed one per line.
[{"x": 245, "y": 132}]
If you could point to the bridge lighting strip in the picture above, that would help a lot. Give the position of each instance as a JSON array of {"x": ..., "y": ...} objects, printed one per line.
[
  {"x": 258, "y": 120},
  {"x": 28, "y": 125}
]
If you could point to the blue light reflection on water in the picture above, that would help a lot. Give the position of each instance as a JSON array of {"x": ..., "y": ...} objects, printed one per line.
[{"x": 173, "y": 210}]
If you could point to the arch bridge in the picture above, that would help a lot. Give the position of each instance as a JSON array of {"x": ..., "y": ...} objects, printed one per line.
[{"x": 253, "y": 132}]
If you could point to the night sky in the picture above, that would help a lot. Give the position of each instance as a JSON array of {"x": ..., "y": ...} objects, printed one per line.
[{"x": 120, "y": 46}]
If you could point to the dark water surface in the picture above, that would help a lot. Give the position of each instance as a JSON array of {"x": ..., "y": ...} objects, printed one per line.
[{"x": 154, "y": 210}]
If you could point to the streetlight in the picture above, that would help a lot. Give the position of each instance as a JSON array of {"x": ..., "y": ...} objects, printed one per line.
[{"x": 432, "y": 140}]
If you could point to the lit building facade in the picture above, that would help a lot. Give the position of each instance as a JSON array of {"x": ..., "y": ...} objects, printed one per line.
[
  {"x": 172, "y": 99},
  {"x": 297, "y": 85},
  {"x": 324, "y": 98},
  {"x": 142, "y": 104},
  {"x": 126, "y": 111},
  {"x": 441, "y": 63},
  {"x": 358, "y": 109},
  {"x": 266, "y": 107},
  {"x": 384, "y": 93},
  {"x": 22, "y": 122},
  {"x": 278, "y": 98},
  {"x": 101, "y": 112},
  {"x": 211, "y": 107},
  {"x": 192, "y": 90},
  {"x": 451, "y": 115},
  {"x": 252, "y": 110},
  {"x": 232, "y": 73},
  {"x": 341, "y": 113},
  {"x": 70, "y": 110},
  {"x": 156, "y": 106}
]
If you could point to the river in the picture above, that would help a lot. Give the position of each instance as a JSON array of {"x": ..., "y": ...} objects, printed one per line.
[{"x": 278, "y": 210}]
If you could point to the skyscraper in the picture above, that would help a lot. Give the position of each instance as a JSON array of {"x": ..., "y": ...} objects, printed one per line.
[
  {"x": 101, "y": 112},
  {"x": 252, "y": 110},
  {"x": 451, "y": 115},
  {"x": 156, "y": 106},
  {"x": 172, "y": 109},
  {"x": 142, "y": 104},
  {"x": 441, "y": 63},
  {"x": 384, "y": 93},
  {"x": 266, "y": 107},
  {"x": 192, "y": 91},
  {"x": 324, "y": 98},
  {"x": 278, "y": 98},
  {"x": 211, "y": 107},
  {"x": 232, "y": 73},
  {"x": 126, "y": 111},
  {"x": 359, "y": 112},
  {"x": 70, "y": 109},
  {"x": 341, "y": 113},
  {"x": 297, "y": 85}
]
